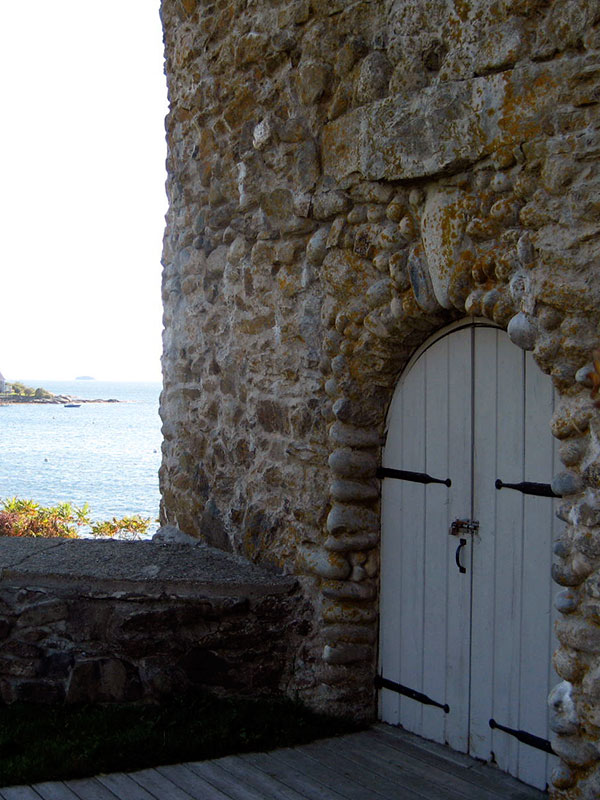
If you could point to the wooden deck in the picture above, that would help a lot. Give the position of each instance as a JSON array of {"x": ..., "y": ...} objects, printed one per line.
[{"x": 383, "y": 763}]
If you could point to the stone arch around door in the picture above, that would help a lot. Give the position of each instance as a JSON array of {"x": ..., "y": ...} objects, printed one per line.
[{"x": 433, "y": 254}]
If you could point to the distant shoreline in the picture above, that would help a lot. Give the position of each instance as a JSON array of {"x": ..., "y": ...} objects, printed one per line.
[{"x": 55, "y": 400}]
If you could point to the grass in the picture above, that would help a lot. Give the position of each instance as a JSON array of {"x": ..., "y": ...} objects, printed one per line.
[{"x": 42, "y": 743}]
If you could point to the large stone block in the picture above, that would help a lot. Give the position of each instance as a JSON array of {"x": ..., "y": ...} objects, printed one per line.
[{"x": 445, "y": 127}]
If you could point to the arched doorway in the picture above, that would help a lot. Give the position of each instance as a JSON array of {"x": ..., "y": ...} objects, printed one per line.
[{"x": 466, "y": 632}]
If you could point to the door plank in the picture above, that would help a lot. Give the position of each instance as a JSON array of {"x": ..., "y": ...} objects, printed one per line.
[
  {"x": 484, "y": 546},
  {"x": 391, "y": 565},
  {"x": 509, "y": 551},
  {"x": 437, "y": 605},
  {"x": 460, "y": 447},
  {"x": 536, "y": 586},
  {"x": 411, "y": 573}
]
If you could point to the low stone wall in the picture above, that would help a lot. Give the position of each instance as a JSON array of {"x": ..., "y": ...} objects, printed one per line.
[{"x": 104, "y": 621}]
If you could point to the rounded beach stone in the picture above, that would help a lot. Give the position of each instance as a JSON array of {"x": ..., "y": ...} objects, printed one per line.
[
  {"x": 566, "y": 601},
  {"x": 347, "y": 491},
  {"x": 349, "y": 590},
  {"x": 329, "y": 204},
  {"x": 324, "y": 563},
  {"x": 348, "y": 463},
  {"x": 473, "y": 302},
  {"x": 563, "y": 716},
  {"x": 379, "y": 293},
  {"x": 420, "y": 281},
  {"x": 574, "y": 750},
  {"x": 351, "y": 436},
  {"x": 331, "y": 387},
  {"x": 568, "y": 664},
  {"x": 488, "y": 302},
  {"x": 316, "y": 249},
  {"x": 561, "y": 549},
  {"x": 562, "y": 776},
  {"x": 525, "y": 250},
  {"x": 583, "y": 375},
  {"x": 346, "y": 653},
  {"x": 339, "y": 365},
  {"x": 522, "y": 331},
  {"x": 171, "y": 533},
  {"x": 571, "y": 451},
  {"x": 564, "y": 575},
  {"x": 566, "y": 483},
  {"x": 352, "y": 542},
  {"x": 348, "y": 519},
  {"x": 519, "y": 286}
]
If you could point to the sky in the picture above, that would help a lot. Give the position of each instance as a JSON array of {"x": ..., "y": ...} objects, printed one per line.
[{"x": 83, "y": 151}]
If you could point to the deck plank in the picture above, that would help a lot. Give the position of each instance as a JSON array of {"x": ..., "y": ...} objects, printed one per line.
[
  {"x": 19, "y": 793},
  {"x": 309, "y": 787},
  {"x": 330, "y": 771},
  {"x": 124, "y": 786},
  {"x": 54, "y": 790},
  {"x": 159, "y": 786},
  {"x": 230, "y": 786},
  {"x": 90, "y": 789},
  {"x": 270, "y": 787},
  {"x": 191, "y": 782}
]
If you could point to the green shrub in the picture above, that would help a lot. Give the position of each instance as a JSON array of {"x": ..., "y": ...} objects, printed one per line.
[
  {"x": 28, "y": 518},
  {"x": 126, "y": 527}
]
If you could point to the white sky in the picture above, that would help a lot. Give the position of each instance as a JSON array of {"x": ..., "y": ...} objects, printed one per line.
[{"x": 82, "y": 144}]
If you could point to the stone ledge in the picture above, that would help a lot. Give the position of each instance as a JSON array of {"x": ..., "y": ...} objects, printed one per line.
[{"x": 145, "y": 568}]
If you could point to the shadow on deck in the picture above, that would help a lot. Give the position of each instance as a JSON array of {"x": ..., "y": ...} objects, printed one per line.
[{"x": 383, "y": 763}]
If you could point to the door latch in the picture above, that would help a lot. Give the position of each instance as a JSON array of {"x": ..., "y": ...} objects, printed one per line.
[
  {"x": 463, "y": 526},
  {"x": 458, "y": 527}
]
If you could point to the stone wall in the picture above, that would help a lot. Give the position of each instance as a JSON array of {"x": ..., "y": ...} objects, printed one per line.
[
  {"x": 345, "y": 178},
  {"x": 102, "y": 621}
]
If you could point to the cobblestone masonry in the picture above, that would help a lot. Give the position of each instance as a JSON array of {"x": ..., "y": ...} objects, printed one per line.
[
  {"x": 84, "y": 621},
  {"x": 344, "y": 179}
]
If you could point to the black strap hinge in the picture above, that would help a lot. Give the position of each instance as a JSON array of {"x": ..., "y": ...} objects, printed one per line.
[
  {"x": 413, "y": 477},
  {"x": 524, "y": 737},
  {"x": 385, "y": 683},
  {"x": 528, "y": 487}
]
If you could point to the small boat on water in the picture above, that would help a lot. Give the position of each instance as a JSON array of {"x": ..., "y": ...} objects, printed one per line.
[{"x": 72, "y": 405}]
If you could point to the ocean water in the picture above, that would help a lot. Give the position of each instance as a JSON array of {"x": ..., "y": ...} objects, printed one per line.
[{"x": 105, "y": 454}]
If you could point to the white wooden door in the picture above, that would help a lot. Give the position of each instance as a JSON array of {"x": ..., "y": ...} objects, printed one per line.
[{"x": 466, "y": 620}]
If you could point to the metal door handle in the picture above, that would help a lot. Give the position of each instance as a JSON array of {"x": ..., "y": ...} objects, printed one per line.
[{"x": 462, "y": 543}]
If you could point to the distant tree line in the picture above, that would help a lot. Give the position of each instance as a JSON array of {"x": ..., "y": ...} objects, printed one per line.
[{"x": 19, "y": 389}]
